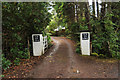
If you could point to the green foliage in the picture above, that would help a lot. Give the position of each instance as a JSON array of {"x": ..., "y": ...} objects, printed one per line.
[
  {"x": 26, "y": 54},
  {"x": 53, "y": 24},
  {"x": 69, "y": 37},
  {"x": 94, "y": 54},
  {"x": 49, "y": 39},
  {"x": 5, "y": 63},
  {"x": 19, "y": 21},
  {"x": 104, "y": 39},
  {"x": 20, "y": 53},
  {"x": 98, "y": 55},
  {"x": 116, "y": 55},
  {"x": 78, "y": 48},
  {"x": 74, "y": 27},
  {"x": 83, "y": 27},
  {"x": 102, "y": 56},
  {"x": 105, "y": 28},
  {"x": 16, "y": 61},
  {"x": 2, "y": 76}
]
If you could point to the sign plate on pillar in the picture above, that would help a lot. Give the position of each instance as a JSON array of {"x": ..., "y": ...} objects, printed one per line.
[
  {"x": 36, "y": 38},
  {"x": 37, "y": 44},
  {"x": 85, "y": 36},
  {"x": 85, "y": 43}
]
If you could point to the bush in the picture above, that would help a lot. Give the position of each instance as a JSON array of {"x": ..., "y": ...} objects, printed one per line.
[
  {"x": 104, "y": 37},
  {"x": 22, "y": 54},
  {"x": 5, "y": 63},
  {"x": 77, "y": 50}
]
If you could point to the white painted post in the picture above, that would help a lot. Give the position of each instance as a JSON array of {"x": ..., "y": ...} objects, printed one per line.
[
  {"x": 85, "y": 43},
  {"x": 45, "y": 44},
  {"x": 37, "y": 44}
]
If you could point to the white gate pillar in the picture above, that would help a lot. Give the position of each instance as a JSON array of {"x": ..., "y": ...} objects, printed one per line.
[
  {"x": 85, "y": 42},
  {"x": 37, "y": 40}
]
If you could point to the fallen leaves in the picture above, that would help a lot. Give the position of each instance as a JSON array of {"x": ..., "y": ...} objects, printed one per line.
[{"x": 23, "y": 69}]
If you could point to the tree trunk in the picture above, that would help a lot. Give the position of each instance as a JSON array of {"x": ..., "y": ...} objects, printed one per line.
[
  {"x": 97, "y": 8},
  {"x": 28, "y": 48},
  {"x": 109, "y": 7},
  {"x": 93, "y": 7},
  {"x": 81, "y": 9},
  {"x": 87, "y": 15},
  {"x": 103, "y": 10},
  {"x": 75, "y": 12}
]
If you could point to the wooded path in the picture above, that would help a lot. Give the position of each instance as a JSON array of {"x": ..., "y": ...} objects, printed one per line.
[{"x": 63, "y": 62}]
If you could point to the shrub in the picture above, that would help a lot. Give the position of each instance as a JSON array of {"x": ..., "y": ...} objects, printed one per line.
[
  {"x": 5, "y": 63},
  {"x": 22, "y": 54},
  {"x": 77, "y": 50},
  {"x": 104, "y": 37}
]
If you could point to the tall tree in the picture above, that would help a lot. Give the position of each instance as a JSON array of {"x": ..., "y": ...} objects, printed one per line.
[
  {"x": 93, "y": 7},
  {"x": 97, "y": 5},
  {"x": 87, "y": 15},
  {"x": 103, "y": 8}
]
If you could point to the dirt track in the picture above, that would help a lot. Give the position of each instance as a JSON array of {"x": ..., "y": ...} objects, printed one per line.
[{"x": 63, "y": 62}]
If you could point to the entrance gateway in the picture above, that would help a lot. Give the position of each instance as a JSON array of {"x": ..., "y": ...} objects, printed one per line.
[{"x": 85, "y": 42}]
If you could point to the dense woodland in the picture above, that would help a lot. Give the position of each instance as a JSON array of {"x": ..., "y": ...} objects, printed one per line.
[
  {"x": 103, "y": 24},
  {"x": 21, "y": 20}
]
